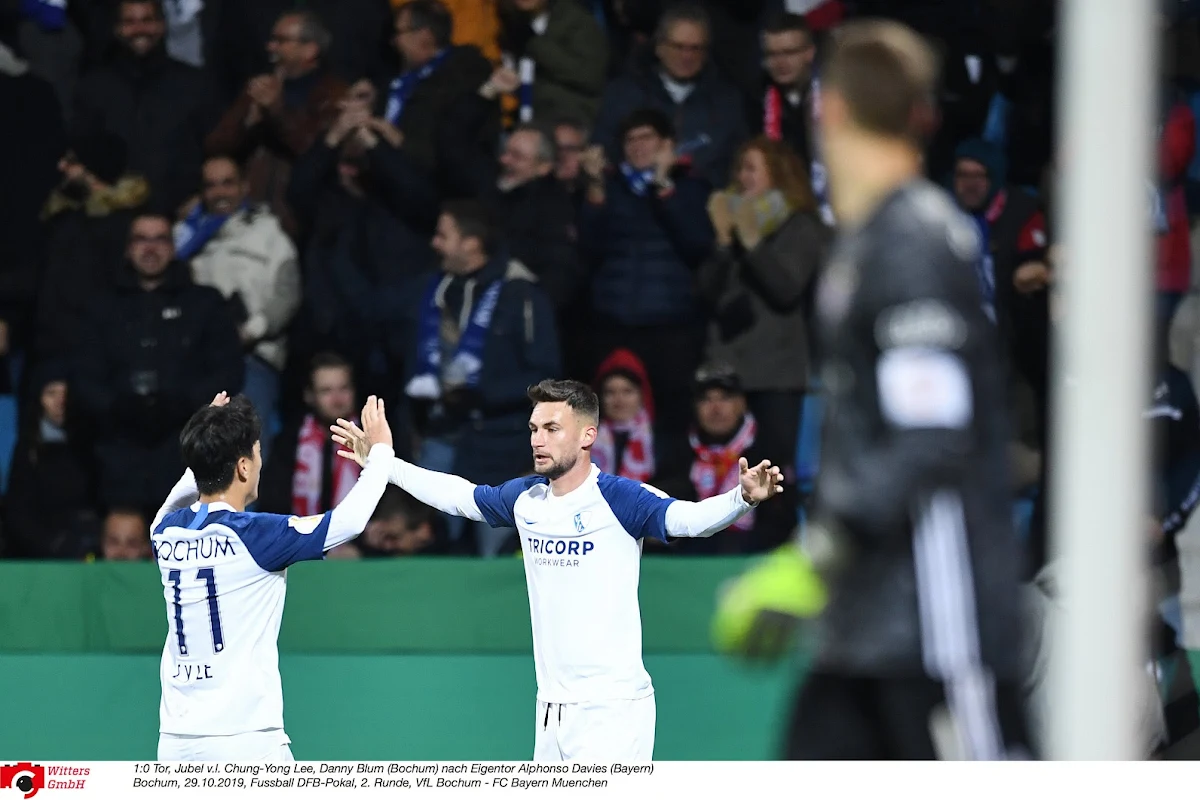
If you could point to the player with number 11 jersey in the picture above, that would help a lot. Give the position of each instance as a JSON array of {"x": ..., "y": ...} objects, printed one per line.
[{"x": 224, "y": 573}]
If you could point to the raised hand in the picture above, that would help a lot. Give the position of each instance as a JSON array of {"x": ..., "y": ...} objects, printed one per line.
[
  {"x": 721, "y": 217},
  {"x": 760, "y": 482},
  {"x": 357, "y": 441},
  {"x": 505, "y": 80},
  {"x": 221, "y": 399},
  {"x": 375, "y": 423}
]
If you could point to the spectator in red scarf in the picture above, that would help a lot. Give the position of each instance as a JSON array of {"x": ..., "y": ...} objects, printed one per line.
[
  {"x": 304, "y": 475},
  {"x": 625, "y": 441},
  {"x": 723, "y": 430}
]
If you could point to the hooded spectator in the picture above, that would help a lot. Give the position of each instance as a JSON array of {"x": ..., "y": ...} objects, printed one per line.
[{"x": 625, "y": 443}]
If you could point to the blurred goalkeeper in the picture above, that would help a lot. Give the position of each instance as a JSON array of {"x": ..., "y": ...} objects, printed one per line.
[{"x": 919, "y": 641}]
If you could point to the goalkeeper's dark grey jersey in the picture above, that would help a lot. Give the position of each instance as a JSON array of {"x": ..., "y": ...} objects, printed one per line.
[{"x": 914, "y": 451}]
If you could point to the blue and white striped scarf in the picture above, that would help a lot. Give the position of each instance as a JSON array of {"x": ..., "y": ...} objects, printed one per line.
[
  {"x": 467, "y": 362},
  {"x": 402, "y": 88}
]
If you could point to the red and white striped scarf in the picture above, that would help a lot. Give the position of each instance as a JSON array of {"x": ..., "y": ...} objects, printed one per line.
[
  {"x": 715, "y": 470},
  {"x": 637, "y": 459},
  {"x": 773, "y": 114},
  {"x": 310, "y": 471}
]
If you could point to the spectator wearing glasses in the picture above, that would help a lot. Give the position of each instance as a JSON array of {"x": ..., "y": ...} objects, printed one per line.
[
  {"x": 359, "y": 32},
  {"x": 570, "y": 140},
  {"x": 678, "y": 79},
  {"x": 434, "y": 101},
  {"x": 156, "y": 348},
  {"x": 280, "y": 113},
  {"x": 644, "y": 230}
]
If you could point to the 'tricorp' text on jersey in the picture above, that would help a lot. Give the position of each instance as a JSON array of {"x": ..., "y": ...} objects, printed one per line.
[{"x": 582, "y": 555}]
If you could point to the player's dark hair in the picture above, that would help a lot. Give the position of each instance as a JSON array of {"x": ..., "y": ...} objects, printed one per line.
[
  {"x": 473, "y": 221},
  {"x": 579, "y": 396},
  {"x": 328, "y": 360},
  {"x": 215, "y": 438},
  {"x": 432, "y": 16},
  {"x": 786, "y": 22},
  {"x": 886, "y": 73}
]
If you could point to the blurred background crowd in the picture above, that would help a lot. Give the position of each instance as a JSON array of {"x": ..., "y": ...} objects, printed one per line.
[{"x": 441, "y": 203}]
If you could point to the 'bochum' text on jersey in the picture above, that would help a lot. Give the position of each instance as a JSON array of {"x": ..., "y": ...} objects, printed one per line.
[{"x": 224, "y": 580}]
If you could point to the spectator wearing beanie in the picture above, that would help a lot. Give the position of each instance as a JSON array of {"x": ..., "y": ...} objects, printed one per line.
[{"x": 625, "y": 439}]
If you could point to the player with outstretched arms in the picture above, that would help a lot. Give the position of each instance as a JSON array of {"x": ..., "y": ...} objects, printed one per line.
[
  {"x": 581, "y": 532},
  {"x": 224, "y": 574}
]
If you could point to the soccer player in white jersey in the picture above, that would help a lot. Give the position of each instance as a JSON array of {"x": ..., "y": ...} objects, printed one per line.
[
  {"x": 224, "y": 573},
  {"x": 581, "y": 532}
]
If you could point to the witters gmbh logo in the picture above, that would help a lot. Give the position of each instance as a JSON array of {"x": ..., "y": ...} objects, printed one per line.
[{"x": 28, "y": 778}]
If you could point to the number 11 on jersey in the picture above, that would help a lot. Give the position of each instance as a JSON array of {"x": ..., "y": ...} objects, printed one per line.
[{"x": 214, "y": 610}]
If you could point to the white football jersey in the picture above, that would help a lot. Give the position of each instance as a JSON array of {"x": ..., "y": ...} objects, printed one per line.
[
  {"x": 224, "y": 579},
  {"x": 582, "y": 554}
]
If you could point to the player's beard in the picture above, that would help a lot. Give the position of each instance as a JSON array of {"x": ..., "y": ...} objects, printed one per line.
[{"x": 555, "y": 469}]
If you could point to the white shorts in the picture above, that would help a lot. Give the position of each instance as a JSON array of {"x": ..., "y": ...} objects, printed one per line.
[
  {"x": 269, "y": 745},
  {"x": 612, "y": 730}
]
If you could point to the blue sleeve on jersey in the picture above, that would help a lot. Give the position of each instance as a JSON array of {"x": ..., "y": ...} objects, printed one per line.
[
  {"x": 179, "y": 518},
  {"x": 276, "y": 541},
  {"x": 641, "y": 512},
  {"x": 496, "y": 502}
]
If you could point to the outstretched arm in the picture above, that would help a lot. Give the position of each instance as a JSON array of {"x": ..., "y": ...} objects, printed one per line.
[
  {"x": 449, "y": 494},
  {"x": 350, "y": 517},
  {"x": 645, "y": 511},
  {"x": 693, "y": 520},
  {"x": 685, "y": 519}
]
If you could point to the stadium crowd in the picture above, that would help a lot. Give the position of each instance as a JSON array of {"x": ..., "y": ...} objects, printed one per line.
[{"x": 442, "y": 203}]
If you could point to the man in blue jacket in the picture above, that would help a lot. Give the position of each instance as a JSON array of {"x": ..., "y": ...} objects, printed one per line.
[{"x": 645, "y": 229}]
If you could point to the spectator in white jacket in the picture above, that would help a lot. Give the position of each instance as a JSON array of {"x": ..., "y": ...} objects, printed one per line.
[{"x": 240, "y": 249}]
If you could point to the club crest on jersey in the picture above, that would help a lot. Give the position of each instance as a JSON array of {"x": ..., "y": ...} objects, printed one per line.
[
  {"x": 581, "y": 521},
  {"x": 305, "y": 524}
]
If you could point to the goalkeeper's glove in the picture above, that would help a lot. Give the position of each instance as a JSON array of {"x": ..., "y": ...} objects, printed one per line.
[{"x": 758, "y": 613}]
